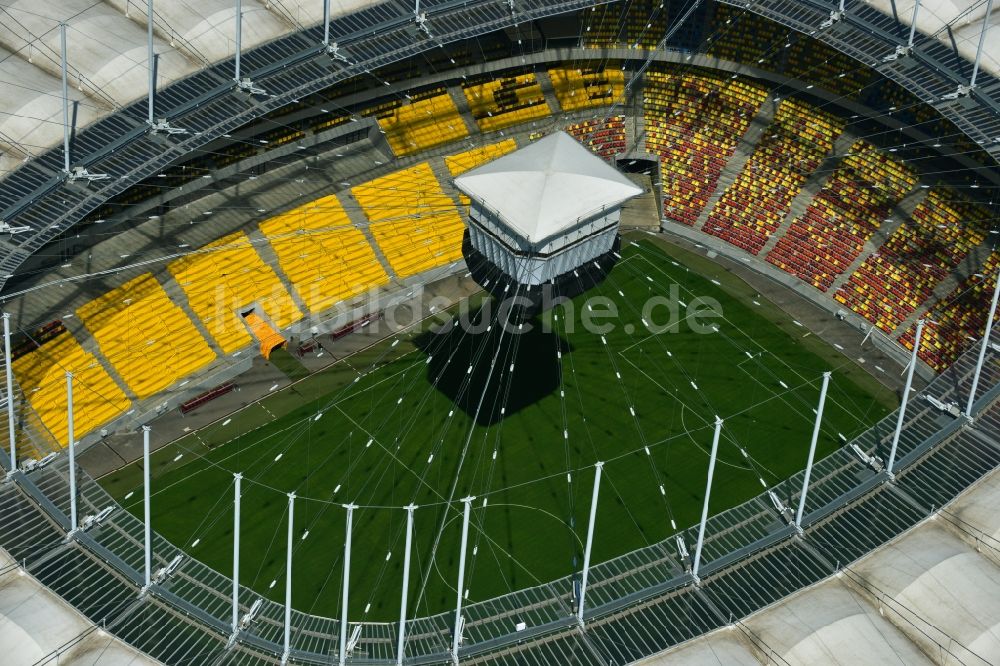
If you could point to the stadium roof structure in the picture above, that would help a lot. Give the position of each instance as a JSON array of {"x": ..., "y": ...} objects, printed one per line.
[
  {"x": 36, "y": 625},
  {"x": 284, "y": 55},
  {"x": 936, "y": 581},
  {"x": 950, "y": 555},
  {"x": 947, "y": 20},
  {"x": 547, "y": 187}
]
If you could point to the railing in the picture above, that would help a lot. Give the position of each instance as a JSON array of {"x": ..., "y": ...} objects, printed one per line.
[
  {"x": 208, "y": 103},
  {"x": 735, "y": 538}
]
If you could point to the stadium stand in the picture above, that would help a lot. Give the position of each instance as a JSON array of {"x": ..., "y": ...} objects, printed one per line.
[
  {"x": 643, "y": 24},
  {"x": 97, "y": 398},
  {"x": 38, "y": 337},
  {"x": 902, "y": 274},
  {"x": 636, "y": 25},
  {"x": 429, "y": 120},
  {"x": 462, "y": 162},
  {"x": 226, "y": 276},
  {"x": 847, "y": 211},
  {"x": 740, "y": 36},
  {"x": 605, "y": 137},
  {"x": 792, "y": 147},
  {"x": 958, "y": 319},
  {"x": 811, "y": 60},
  {"x": 505, "y": 101},
  {"x": 469, "y": 159},
  {"x": 326, "y": 259},
  {"x": 138, "y": 327},
  {"x": 586, "y": 88},
  {"x": 694, "y": 122},
  {"x": 414, "y": 222}
]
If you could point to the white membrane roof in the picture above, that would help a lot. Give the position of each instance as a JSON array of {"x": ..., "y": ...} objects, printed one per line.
[
  {"x": 931, "y": 596},
  {"x": 35, "y": 624},
  {"x": 107, "y": 43},
  {"x": 966, "y": 19},
  {"x": 547, "y": 187}
]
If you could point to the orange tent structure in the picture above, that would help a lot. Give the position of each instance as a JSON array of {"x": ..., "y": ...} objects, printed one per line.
[{"x": 269, "y": 338}]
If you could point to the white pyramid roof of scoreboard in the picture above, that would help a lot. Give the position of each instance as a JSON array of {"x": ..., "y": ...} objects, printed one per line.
[{"x": 547, "y": 187}]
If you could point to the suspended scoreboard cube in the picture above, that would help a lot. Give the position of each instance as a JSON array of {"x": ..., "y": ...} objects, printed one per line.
[{"x": 543, "y": 216}]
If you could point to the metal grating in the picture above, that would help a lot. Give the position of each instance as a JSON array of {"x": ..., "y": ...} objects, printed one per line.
[{"x": 640, "y": 603}]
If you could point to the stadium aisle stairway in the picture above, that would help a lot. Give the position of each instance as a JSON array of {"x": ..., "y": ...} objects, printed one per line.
[
  {"x": 958, "y": 319},
  {"x": 902, "y": 274},
  {"x": 416, "y": 225},
  {"x": 694, "y": 122},
  {"x": 41, "y": 374},
  {"x": 225, "y": 276},
  {"x": 792, "y": 147},
  {"x": 852, "y": 205},
  {"x": 326, "y": 259},
  {"x": 577, "y": 89},
  {"x": 138, "y": 328},
  {"x": 426, "y": 121},
  {"x": 509, "y": 100}
]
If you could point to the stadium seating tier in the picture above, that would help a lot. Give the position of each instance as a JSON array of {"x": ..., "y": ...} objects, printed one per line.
[
  {"x": 694, "y": 121},
  {"x": 957, "y": 320},
  {"x": 505, "y": 101},
  {"x": 605, "y": 137},
  {"x": 326, "y": 259},
  {"x": 226, "y": 277},
  {"x": 852, "y": 205},
  {"x": 791, "y": 148},
  {"x": 416, "y": 225},
  {"x": 582, "y": 88},
  {"x": 925, "y": 249},
  {"x": 151, "y": 342},
  {"x": 97, "y": 398},
  {"x": 420, "y": 124}
]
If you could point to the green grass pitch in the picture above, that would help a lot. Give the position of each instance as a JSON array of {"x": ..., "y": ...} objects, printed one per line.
[{"x": 378, "y": 431}]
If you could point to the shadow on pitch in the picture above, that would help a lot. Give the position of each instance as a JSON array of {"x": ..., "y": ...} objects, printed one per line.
[{"x": 502, "y": 392}]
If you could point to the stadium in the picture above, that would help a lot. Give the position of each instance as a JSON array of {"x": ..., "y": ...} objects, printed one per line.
[{"x": 500, "y": 332}]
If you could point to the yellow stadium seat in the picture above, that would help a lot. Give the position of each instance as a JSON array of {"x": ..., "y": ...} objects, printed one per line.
[
  {"x": 225, "y": 276},
  {"x": 422, "y": 124},
  {"x": 148, "y": 339},
  {"x": 416, "y": 225},
  {"x": 97, "y": 398},
  {"x": 324, "y": 256}
]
